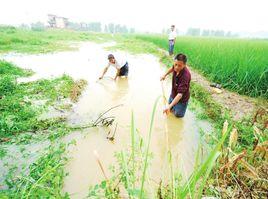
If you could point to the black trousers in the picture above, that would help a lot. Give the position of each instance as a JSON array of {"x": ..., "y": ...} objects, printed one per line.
[{"x": 124, "y": 70}]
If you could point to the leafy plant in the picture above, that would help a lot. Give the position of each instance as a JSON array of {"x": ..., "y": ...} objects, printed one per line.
[{"x": 45, "y": 178}]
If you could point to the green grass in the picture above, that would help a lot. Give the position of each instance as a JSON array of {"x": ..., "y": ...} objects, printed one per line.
[
  {"x": 28, "y": 41},
  {"x": 20, "y": 125},
  {"x": 238, "y": 64},
  {"x": 131, "y": 44},
  {"x": 45, "y": 178},
  {"x": 145, "y": 167},
  {"x": 19, "y": 114},
  {"x": 7, "y": 68}
]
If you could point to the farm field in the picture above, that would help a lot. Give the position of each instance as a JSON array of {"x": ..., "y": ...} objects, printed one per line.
[{"x": 66, "y": 134}]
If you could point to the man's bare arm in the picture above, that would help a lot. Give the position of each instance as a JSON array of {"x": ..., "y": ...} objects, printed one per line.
[
  {"x": 104, "y": 71},
  {"x": 170, "y": 70},
  {"x": 174, "y": 102}
]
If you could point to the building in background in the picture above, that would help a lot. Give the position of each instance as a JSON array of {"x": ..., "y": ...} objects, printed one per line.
[{"x": 55, "y": 21}]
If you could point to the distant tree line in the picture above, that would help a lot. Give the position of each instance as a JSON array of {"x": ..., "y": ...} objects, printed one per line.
[
  {"x": 209, "y": 33},
  {"x": 82, "y": 26},
  {"x": 97, "y": 27},
  {"x": 204, "y": 33},
  {"x": 93, "y": 26},
  {"x": 38, "y": 26},
  {"x": 117, "y": 28}
]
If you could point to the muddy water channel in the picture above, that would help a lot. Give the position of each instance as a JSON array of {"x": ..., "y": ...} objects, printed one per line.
[{"x": 136, "y": 93}]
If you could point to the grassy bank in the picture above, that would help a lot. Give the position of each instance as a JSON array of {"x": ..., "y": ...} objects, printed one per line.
[
  {"x": 238, "y": 64},
  {"x": 28, "y": 41},
  {"x": 39, "y": 173},
  {"x": 22, "y": 103},
  {"x": 43, "y": 179},
  {"x": 241, "y": 170}
]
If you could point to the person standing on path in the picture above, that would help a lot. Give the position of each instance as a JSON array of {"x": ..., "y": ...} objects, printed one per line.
[
  {"x": 180, "y": 92},
  {"x": 171, "y": 40},
  {"x": 121, "y": 67}
]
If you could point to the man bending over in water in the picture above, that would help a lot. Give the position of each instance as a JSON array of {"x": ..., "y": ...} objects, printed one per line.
[
  {"x": 180, "y": 92},
  {"x": 120, "y": 66}
]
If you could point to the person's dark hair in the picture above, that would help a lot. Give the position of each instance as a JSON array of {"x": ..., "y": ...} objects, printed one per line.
[
  {"x": 110, "y": 56},
  {"x": 172, "y": 26},
  {"x": 181, "y": 57}
]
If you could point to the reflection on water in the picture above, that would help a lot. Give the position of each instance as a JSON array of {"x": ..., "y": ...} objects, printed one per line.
[{"x": 138, "y": 93}]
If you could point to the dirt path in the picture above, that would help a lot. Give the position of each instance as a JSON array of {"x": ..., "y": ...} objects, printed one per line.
[{"x": 239, "y": 105}]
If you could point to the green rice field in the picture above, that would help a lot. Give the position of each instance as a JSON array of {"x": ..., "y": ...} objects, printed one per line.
[{"x": 240, "y": 65}]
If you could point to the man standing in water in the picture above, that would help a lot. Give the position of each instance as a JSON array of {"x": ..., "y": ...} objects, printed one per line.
[
  {"x": 121, "y": 67},
  {"x": 180, "y": 92},
  {"x": 172, "y": 39}
]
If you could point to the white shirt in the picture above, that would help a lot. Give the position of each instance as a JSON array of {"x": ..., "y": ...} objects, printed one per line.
[
  {"x": 119, "y": 63},
  {"x": 172, "y": 35}
]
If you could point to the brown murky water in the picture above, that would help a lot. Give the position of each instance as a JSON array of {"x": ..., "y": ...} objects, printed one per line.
[{"x": 138, "y": 93}]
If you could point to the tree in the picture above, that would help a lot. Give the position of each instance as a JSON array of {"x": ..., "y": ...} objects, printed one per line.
[
  {"x": 124, "y": 29},
  {"x": 132, "y": 30},
  {"x": 219, "y": 33},
  {"x": 95, "y": 26},
  {"x": 117, "y": 28},
  {"x": 38, "y": 26},
  {"x": 193, "y": 32},
  {"x": 206, "y": 33},
  {"x": 111, "y": 28},
  {"x": 24, "y": 26},
  {"x": 228, "y": 34},
  {"x": 106, "y": 28}
]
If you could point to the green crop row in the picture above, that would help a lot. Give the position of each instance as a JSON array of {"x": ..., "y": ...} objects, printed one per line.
[{"x": 238, "y": 64}]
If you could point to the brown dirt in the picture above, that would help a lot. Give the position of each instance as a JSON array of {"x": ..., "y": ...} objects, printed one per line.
[{"x": 239, "y": 105}]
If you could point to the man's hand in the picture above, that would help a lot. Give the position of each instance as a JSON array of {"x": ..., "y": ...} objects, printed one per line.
[
  {"x": 166, "y": 110},
  {"x": 163, "y": 78}
]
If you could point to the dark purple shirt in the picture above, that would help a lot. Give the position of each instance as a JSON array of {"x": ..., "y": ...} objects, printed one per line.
[{"x": 181, "y": 84}]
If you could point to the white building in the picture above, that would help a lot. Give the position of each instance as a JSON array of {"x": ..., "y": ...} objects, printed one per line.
[{"x": 55, "y": 21}]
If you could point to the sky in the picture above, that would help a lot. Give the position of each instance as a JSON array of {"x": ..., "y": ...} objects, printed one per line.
[{"x": 145, "y": 15}]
